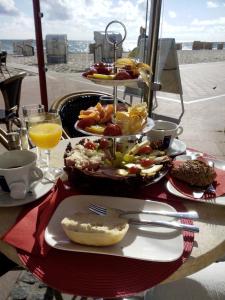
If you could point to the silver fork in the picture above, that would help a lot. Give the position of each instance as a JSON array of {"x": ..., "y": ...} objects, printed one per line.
[
  {"x": 103, "y": 211},
  {"x": 208, "y": 193},
  {"x": 99, "y": 210}
]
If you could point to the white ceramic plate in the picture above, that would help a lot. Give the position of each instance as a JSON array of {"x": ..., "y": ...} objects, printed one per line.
[
  {"x": 38, "y": 189},
  {"x": 145, "y": 130},
  {"x": 108, "y": 82},
  {"x": 146, "y": 243},
  {"x": 176, "y": 148},
  {"x": 220, "y": 164}
]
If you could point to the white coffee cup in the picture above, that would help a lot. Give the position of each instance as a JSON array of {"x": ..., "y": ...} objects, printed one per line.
[
  {"x": 164, "y": 132},
  {"x": 18, "y": 171}
]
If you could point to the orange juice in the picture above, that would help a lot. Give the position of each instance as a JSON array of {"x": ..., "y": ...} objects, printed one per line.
[{"x": 45, "y": 135}]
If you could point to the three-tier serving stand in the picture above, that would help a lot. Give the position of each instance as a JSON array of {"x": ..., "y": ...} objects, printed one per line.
[{"x": 115, "y": 83}]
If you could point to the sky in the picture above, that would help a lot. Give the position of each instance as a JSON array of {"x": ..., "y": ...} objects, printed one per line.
[{"x": 184, "y": 20}]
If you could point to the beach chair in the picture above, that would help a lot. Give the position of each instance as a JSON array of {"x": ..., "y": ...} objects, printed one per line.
[
  {"x": 56, "y": 48},
  {"x": 220, "y": 46},
  {"x": 207, "y": 45},
  {"x": 197, "y": 45},
  {"x": 23, "y": 48},
  {"x": 3, "y": 67},
  {"x": 103, "y": 51},
  {"x": 11, "y": 91},
  {"x": 69, "y": 107},
  {"x": 178, "y": 46}
]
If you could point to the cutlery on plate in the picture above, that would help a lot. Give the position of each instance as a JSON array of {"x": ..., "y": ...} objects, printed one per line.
[
  {"x": 174, "y": 225},
  {"x": 209, "y": 192},
  {"x": 101, "y": 210},
  {"x": 167, "y": 224}
]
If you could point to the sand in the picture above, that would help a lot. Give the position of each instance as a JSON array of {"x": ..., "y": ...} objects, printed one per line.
[
  {"x": 78, "y": 62},
  {"x": 200, "y": 56}
]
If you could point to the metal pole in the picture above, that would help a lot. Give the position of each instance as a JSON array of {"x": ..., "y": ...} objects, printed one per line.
[
  {"x": 152, "y": 46},
  {"x": 40, "y": 53}
]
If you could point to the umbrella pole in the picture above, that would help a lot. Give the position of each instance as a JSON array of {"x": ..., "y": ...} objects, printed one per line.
[{"x": 40, "y": 53}]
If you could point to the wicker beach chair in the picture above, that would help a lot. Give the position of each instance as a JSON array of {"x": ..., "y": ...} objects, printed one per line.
[
  {"x": 103, "y": 51},
  {"x": 220, "y": 46},
  {"x": 197, "y": 45}
]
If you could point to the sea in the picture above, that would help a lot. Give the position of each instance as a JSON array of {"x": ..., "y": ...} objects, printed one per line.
[
  {"x": 80, "y": 46},
  {"x": 74, "y": 46}
]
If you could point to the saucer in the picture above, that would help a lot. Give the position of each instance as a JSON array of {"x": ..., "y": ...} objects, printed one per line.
[
  {"x": 177, "y": 147},
  {"x": 38, "y": 189}
]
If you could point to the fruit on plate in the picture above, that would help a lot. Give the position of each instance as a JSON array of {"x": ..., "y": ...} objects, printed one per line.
[
  {"x": 126, "y": 69},
  {"x": 134, "y": 120},
  {"x": 93, "y": 230},
  {"x": 89, "y": 72},
  {"x": 122, "y": 75},
  {"x": 112, "y": 130},
  {"x": 134, "y": 72},
  {"x": 99, "y": 113},
  {"x": 99, "y": 68},
  {"x": 122, "y": 62},
  {"x": 128, "y": 119},
  {"x": 101, "y": 76},
  {"x": 103, "y": 68},
  {"x": 144, "y": 66},
  {"x": 133, "y": 68},
  {"x": 96, "y": 129},
  {"x": 86, "y": 122}
]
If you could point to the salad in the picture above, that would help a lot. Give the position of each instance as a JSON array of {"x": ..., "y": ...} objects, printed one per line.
[{"x": 95, "y": 158}]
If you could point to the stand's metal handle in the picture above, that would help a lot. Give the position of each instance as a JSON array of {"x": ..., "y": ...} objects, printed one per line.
[
  {"x": 115, "y": 43},
  {"x": 107, "y": 34}
]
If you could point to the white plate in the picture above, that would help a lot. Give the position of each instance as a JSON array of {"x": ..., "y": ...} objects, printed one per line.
[
  {"x": 145, "y": 130},
  {"x": 108, "y": 82},
  {"x": 220, "y": 164},
  {"x": 177, "y": 147},
  {"x": 38, "y": 190},
  {"x": 146, "y": 243}
]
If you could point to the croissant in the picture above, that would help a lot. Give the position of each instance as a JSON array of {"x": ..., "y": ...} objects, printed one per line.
[{"x": 194, "y": 172}]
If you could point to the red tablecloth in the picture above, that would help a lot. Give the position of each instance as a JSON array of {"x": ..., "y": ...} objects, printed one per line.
[{"x": 89, "y": 274}]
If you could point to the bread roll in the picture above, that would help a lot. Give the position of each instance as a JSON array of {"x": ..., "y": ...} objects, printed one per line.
[
  {"x": 194, "y": 172},
  {"x": 93, "y": 230}
]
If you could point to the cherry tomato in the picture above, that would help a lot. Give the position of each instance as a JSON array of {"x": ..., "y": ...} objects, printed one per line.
[
  {"x": 90, "y": 145},
  {"x": 145, "y": 150},
  {"x": 133, "y": 170},
  {"x": 146, "y": 162},
  {"x": 86, "y": 122},
  {"x": 112, "y": 130}
]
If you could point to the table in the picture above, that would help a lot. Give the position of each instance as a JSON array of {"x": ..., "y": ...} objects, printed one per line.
[{"x": 209, "y": 244}]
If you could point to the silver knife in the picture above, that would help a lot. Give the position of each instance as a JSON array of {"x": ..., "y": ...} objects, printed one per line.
[
  {"x": 186, "y": 215},
  {"x": 174, "y": 225}
]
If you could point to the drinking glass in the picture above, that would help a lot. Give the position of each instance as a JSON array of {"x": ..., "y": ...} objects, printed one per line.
[
  {"x": 34, "y": 112},
  {"x": 45, "y": 133}
]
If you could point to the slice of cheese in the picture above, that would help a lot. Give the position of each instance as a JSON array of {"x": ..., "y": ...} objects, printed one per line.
[{"x": 151, "y": 171}]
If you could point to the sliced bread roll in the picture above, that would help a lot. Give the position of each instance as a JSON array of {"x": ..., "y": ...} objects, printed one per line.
[{"x": 93, "y": 230}]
